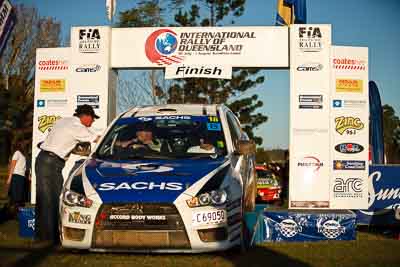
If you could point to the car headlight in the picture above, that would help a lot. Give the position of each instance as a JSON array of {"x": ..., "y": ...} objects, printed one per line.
[
  {"x": 71, "y": 198},
  {"x": 215, "y": 197}
]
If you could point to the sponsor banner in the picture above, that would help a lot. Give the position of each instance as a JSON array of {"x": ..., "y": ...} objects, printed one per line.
[
  {"x": 310, "y": 67},
  {"x": 310, "y": 101},
  {"x": 52, "y": 86},
  {"x": 51, "y": 103},
  {"x": 349, "y": 63},
  {"x": 284, "y": 226},
  {"x": 349, "y": 165},
  {"x": 348, "y": 125},
  {"x": 51, "y": 65},
  {"x": 349, "y": 86},
  {"x": 232, "y": 46},
  {"x": 89, "y": 40},
  {"x": 50, "y": 97},
  {"x": 201, "y": 71},
  {"x": 85, "y": 68},
  {"x": 310, "y": 38},
  {"x": 349, "y": 148},
  {"x": 91, "y": 100},
  {"x": 350, "y": 128},
  {"x": 309, "y": 116},
  {"x": 77, "y": 217},
  {"x": 349, "y": 104},
  {"x": 384, "y": 196},
  {"x": 345, "y": 187},
  {"x": 45, "y": 122}
]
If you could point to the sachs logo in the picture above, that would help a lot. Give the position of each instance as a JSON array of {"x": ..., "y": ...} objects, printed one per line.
[
  {"x": 141, "y": 186},
  {"x": 349, "y": 148},
  {"x": 160, "y": 47},
  {"x": 348, "y": 125}
]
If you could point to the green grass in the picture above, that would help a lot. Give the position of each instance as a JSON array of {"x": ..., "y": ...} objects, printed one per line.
[{"x": 367, "y": 250}]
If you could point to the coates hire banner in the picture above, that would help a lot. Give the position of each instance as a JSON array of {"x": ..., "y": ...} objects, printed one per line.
[
  {"x": 231, "y": 46},
  {"x": 7, "y": 22},
  {"x": 52, "y": 97},
  {"x": 384, "y": 196},
  {"x": 349, "y": 119}
]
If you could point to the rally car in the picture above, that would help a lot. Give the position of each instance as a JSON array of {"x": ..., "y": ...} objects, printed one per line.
[
  {"x": 268, "y": 187},
  {"x": 170, "y": 178}
]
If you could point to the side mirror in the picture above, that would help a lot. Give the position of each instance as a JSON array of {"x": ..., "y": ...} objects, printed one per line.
[
  {"x": 246, "y": 147},
  {"x": 82, "y": 149}
]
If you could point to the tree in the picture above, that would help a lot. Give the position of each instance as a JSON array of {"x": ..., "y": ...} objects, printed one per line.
[
  {"x": 149, "y": 86},
  {"x": 17, "y": 69},
  {"x": 231, "y": 92},
  {"x": 391, "y": 125}
]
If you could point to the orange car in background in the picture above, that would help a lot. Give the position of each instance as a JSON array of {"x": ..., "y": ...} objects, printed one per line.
[{"x": 268, "y": 185}]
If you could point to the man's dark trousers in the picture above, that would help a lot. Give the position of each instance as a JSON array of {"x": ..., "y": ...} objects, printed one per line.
[{"x": 49, "y": 182}]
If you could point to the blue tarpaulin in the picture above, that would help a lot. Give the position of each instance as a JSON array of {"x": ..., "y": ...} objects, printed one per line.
[{"x": 310, "y": 225}]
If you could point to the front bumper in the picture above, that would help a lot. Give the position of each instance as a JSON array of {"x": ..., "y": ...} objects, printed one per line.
[{"x": 164, "y": 232}]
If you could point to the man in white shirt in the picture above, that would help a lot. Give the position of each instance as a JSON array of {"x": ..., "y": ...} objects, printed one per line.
[{"x": 65, "y": 134}]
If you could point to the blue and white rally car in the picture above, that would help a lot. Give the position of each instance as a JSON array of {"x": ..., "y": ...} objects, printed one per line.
[{"x": 171, "y": 178}]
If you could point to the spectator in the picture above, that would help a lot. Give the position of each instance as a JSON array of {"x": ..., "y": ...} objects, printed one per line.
[{"x": 16, "y": 181}]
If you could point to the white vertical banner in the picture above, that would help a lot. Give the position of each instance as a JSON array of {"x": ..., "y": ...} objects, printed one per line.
[
  {"x": 350, "y": 127},
  {"x": 90, "y": 80},
  {"x": 309, "y": 116},
  {"x": 51, "y": 98}
]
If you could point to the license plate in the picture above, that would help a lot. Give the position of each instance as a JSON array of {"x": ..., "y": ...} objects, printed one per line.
[{"x": 209, "y": 217}]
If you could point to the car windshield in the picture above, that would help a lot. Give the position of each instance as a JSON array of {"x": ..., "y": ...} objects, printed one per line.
[{"x": 164, "y": 137}]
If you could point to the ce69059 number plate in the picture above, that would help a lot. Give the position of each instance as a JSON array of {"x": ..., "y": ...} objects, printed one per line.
[{"x": 202, "y": 218}]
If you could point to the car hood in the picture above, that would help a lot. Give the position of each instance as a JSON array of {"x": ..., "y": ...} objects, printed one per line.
[{"x": 146, "y": 181}]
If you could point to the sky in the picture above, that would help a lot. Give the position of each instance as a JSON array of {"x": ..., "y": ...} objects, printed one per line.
[{"x": 370, "y": 23}]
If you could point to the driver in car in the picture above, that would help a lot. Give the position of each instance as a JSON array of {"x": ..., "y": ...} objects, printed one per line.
[
  {"x": 143, "y": 141},
  {"x": 202, "y": 148}
]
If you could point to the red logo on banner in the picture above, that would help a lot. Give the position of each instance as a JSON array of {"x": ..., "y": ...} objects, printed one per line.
[
  {"x": 160, "y": 47},
  {"x": 348, "y": 64}
]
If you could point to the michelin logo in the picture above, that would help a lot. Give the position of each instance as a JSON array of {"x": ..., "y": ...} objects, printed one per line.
[{"x": 141, "y": 186}]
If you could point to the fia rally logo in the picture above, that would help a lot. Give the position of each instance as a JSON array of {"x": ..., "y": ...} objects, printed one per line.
[
  {"x": 89, "y": 40},
  {"x": 160, "y": 47},
  {"x": 310, "y": 39}
]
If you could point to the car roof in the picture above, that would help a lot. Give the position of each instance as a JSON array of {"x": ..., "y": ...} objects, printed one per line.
[{"x": 172, "y": 109}]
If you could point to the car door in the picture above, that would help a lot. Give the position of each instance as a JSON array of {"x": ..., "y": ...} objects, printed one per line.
[{"x": 243, "y": 163}]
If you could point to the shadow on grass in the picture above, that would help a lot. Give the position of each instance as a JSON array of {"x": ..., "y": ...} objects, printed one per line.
[
  {"x": 30, "y": 256},
  {"x": 256, "y": 256},
  {"x": 260, "y": 256}
]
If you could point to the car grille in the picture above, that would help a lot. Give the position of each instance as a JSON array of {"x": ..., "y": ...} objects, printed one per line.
[{"x": 139, "y": 226}]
